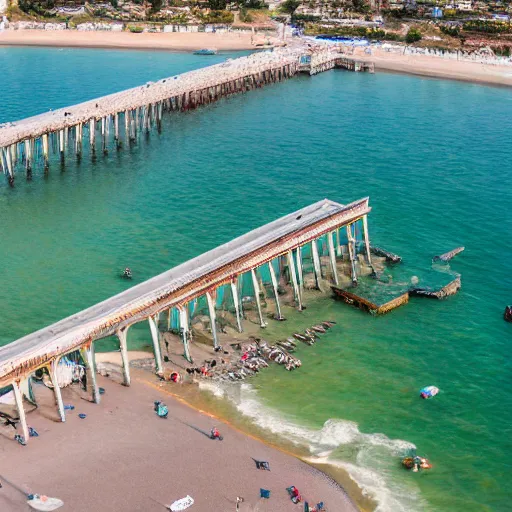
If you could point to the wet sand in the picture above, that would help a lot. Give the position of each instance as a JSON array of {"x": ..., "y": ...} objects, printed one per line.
[
  {"x": 145, "y": 41},
  {"x": 122, "y": 457}
]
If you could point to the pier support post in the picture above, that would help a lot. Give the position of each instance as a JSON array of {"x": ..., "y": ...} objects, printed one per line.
[
  {"x": 153, "y": 327},
  {"x": 56, "y": 389},
  {"x": 236, "y": 302},
  {"x": 300, "y": 271},
  {"x": 293, "y": 275},
  {"x": 28, "y": 155},
  {"x": 78, "y": 139},
  {"x": 367, "y": 239},
  {"x": 127, "y": 126},
  {"x": 275, "y": 288},
  {"x": 92, "y": 135},
  {"x": 213, "y": 323},
  {"x": 184, "y": 328},
  {"x": 116, "y": 128},
  {"x": 44, "y": 140},
  {"x": 8, "y": 159},
  {"x": 104, "y": 135},
  {"x": 257, "y": 296},
  {"x": 21, "y": 410},
  {"x": 332, "y": 257},
  {"x": 316, "y": 264},
  {"x": 352, "y": 256},
  {"x": 88, "y": 356},
  {"x": 339, "y": 252},
  {"x": 122, "y": 336},
  {"x": 61, "y": 144}
]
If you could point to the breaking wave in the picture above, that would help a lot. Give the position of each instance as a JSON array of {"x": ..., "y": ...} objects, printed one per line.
[{"x": 369, "y": 459}]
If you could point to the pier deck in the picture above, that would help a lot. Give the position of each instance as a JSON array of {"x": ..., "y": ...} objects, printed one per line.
[
  {"x": 176, "y": 286},
  {"x": 128, "y": 113}
]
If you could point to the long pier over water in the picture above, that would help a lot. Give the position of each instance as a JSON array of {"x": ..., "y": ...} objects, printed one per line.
[
  {"x": 119, "y": 118},
  {"x": 314, "y": 234}
]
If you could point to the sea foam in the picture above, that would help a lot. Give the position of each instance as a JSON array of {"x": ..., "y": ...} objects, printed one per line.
[{"x": 372, "y": 456}]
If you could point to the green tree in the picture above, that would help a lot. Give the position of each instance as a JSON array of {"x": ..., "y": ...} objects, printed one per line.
[
  {"x": 413, "y": 36},
  {"x": 217, "y": 5},
  {"x": 361, "y": 6},
  {"x": 290, "y": 6},
  {"x": 156, "y": 5}
]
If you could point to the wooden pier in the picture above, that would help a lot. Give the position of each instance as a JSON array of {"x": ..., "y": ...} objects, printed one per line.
[
  {"x": 118, "y": 119},
  {"x": 322, "y": 229}
]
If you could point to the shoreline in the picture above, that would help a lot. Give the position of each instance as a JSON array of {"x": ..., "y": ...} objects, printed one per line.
[
  {"x": 338, "y": 476},
  {"x": 190, "y": 394},
  {"x": 439, "y": 68},
  {"x": 415, "y": 65},
  {"x": 156, "y": 462}
]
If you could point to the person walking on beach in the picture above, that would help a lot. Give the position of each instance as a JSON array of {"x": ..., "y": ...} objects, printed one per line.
[{"x": 238, "y": 501}]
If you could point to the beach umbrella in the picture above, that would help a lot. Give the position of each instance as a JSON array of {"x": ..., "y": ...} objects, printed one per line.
[{"x": 37, "y": 501}]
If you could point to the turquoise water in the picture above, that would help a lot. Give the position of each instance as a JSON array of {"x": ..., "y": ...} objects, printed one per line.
[{"x": 433, "y": 157}]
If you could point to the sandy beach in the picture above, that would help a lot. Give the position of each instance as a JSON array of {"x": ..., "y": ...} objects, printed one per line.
[
  {"x": 428, "y": 66},
  {"x": 123, "y": 457},
  {"x": 145, "y": 41},
  {"x": 413, "y": 64}
]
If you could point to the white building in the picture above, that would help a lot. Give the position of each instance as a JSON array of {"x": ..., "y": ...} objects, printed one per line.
[
  {"x": 463, "y": 5},
  {"x": 3, "y": 6}
]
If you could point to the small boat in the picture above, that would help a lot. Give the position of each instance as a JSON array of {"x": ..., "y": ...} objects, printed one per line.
[
  {"x": 507, "y": 315},
  {"x": 429, "y": 392},
  {"x": 206, "y": 51}
]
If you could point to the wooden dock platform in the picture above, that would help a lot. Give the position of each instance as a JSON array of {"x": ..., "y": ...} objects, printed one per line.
[{"x": 368, "y": 306}]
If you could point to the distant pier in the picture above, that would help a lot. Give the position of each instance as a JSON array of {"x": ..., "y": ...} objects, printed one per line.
[{"x": 118, "y": 119}]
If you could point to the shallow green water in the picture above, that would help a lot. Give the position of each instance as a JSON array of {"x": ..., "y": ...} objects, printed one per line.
[{"x": 432, "y": 155}]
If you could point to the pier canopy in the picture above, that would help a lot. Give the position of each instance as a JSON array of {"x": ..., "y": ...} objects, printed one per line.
[{"x": 177, "y": 286}]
